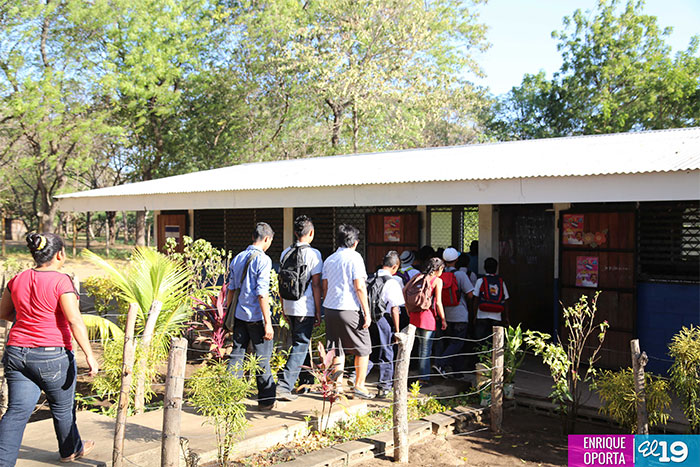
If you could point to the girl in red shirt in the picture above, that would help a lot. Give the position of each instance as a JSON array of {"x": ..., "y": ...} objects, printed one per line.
[{"x": 44, "y": 306}]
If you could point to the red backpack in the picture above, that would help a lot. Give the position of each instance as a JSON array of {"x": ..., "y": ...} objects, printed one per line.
[
  {"x": 450, "y": 289},
  {"x": 491, "y": 297}
]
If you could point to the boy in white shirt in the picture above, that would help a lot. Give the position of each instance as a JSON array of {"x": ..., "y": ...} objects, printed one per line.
[{"x": 491, "y": 296}]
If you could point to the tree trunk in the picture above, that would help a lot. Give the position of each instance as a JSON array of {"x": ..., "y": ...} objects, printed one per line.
[
  {"x": 355, "y": 128},
  {"x": 88, "y": 219},
  {"x": 140, "y": 228},
  {"x": 111, "y": 226},
  {"x": 126, "y": 227}
]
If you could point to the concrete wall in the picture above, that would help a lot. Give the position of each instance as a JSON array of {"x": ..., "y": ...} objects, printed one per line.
[{"x": 662, "y": 310}]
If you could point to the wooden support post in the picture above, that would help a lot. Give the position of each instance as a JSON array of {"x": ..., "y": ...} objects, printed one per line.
[
  {"x": 140, "y": 395},
  {"x": 172, "y": 403},
  {"x": 127, "y": 374},
  {"x": 404, "y": 340},
  {"x": 497, "y": 379},
  {"x": 639, "y": 361},
  {"x": 75, "y": 235}
]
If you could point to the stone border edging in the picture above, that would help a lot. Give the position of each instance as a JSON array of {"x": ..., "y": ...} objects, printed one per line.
[{"x": 354, "y": 452}]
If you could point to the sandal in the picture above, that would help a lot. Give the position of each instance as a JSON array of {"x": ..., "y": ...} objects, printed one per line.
[{"x": 362, "y": 395}]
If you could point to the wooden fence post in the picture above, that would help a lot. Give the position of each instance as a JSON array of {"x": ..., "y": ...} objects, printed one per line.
[
  {"x": 639, "y": 361},
  {"x": 497, "y": 379},
  {"x": 140, "y": 395},
  {"x": 127, "y": 374},
  {"x": 172, "y": 403},
  {"x": 404, "y": 340}
]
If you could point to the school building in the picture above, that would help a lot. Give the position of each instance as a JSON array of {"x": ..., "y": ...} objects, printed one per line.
[{"x": 615, "y": 213}]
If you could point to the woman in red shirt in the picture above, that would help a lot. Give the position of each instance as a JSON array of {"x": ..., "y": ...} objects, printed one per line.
[
  {"x": 44, "y": 306},
  {"x": 424, "y": 321}
]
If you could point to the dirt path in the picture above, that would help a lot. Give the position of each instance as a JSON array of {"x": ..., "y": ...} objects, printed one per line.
[{"x": 528, "y": 439}]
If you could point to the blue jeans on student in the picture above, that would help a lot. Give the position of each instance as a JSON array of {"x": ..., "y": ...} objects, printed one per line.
[
  {"x": 301, "y": 328},
  {"x": 245, "y": 332},
  {"x": 28, "y": 372},
  {"x": 424, "y": 339},
  {"x": 451, "y": 355},
  {"x": 382, "y": 351}
]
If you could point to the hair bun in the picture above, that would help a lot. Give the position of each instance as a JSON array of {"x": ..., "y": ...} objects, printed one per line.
[{"x": 36, "y": 242}]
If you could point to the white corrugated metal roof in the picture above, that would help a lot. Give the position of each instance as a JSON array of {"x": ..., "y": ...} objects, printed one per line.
[{"x": 624, "y": 153}]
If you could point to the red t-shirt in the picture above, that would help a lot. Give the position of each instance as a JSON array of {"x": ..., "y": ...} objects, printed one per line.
[{"x": 39, "y": 318}]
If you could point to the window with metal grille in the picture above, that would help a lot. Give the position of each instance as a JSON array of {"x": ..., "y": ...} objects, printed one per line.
[
  {"x": 455, "y": 226},
  {"x": 669, "y": 241}
]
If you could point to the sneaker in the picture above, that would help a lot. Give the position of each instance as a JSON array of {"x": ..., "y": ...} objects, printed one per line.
[
  {"x": 439, "y": 371},
  {"x": 383, "y": 394},
  {"x": 286, "y": 396},
  {"x": 88, "y": 445}
]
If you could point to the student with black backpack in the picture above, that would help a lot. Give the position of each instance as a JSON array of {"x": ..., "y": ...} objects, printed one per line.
[
  {"x": 300, "y": 289},
  {"x": 385, "y": 297}
]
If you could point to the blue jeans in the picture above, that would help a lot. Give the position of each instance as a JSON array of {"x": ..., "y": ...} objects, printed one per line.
[
  {"x": 425, "y": 347},
  {"x": 245, "y": 332},
  {"x": 28, "y": 372},
  {"x": 382, "y": 351},
  {"x": 449, "y": 356},
  {"x": 301, "y": 328}
]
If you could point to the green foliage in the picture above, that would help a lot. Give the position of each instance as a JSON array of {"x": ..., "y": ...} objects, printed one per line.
[
  {"x": 513, "y": 354},
  {"x": 685, "y": 372},
  {"x": 564, "y": 359},
  {"x": 207, "y": 266},
  {"x": 153, "y": 276},
  {"x": 617, "y": 75},
  {"x": 217, "y": 394},
  {"x": 107, "y": 383},
  {"x": 278, "y": 360},
  {"x": 619, "y": 399},
  {"x": 105, "y": 293}
]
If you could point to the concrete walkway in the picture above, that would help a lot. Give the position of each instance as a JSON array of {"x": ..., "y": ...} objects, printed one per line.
[{"x": 143, "y": 434}]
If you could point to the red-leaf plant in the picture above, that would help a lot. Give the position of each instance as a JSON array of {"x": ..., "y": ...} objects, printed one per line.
[
  {"x": 325, "y": 372},
  {"x": 212, "y": 316}
]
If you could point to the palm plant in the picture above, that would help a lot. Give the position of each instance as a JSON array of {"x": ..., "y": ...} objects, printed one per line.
[{"x": 151, "y": 276}]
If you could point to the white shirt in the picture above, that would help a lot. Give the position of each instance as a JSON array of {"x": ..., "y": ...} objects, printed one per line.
[
  {"x": 340, "y": 271},
  {"x": 305, "y": 306},
  {"x": 410, "y": 271},
  {"x": 392, "y": 292},
  {"x": 485, "y": 314},
  {"x": 459, "y": 313}
]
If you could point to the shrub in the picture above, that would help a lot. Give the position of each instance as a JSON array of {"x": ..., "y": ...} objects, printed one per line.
[
  {"x": 105, "y": 293},
  {"x": 217, "y": 394},
  {"x": 685, "y": 373},
  {"x": 619, "y": 399},
  {"x": 564, "y": 360},
  {"x": 207, "y": 265}
]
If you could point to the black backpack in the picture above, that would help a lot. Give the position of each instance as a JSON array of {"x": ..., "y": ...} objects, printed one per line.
[
  {"x": 294, "y": 275},
  {"x": 375, "y": 285}
]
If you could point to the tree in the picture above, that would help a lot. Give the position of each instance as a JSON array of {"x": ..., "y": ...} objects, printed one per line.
[
  {"x": 48, "y": 69},
  {"x": 328, "y": 77},
  {"x": 617, "y": 75}
]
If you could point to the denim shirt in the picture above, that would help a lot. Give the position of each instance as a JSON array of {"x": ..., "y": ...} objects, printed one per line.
[{"x": 257, "y": 282}]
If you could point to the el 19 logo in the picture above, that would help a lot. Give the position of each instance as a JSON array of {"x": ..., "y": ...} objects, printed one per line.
[{"x": 665, "y": 450}]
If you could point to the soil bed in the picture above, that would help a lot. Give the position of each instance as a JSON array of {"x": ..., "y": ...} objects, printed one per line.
[{"x": 528, "y": 438}]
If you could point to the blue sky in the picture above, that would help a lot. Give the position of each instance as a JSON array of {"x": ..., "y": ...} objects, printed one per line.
[{"x": 521, "y": 42}]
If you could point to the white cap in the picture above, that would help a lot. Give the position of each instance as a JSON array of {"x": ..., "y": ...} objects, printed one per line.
[{"x": 450, "y": 254}]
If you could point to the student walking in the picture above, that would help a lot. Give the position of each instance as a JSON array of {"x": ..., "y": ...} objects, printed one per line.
[
  {"x": 43, "y": 303},
  {"x": 492, "y": 301},
  {"x": 250, "y": 274},
  {"x": 346, "y": 308},
  {"x": 300, "y": 289},
  {"x": 385, "y": 298},
  {"x": 423, "y": 295},
  {"x": 456, "y": 293}
]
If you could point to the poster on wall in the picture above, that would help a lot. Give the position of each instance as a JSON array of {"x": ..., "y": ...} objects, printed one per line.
[
  {"x": 572, "y": 229},
  {"x": 172, "y": 231},
  {"x": 586, "y": 271},
  {"x": 392, "y": 228}
]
